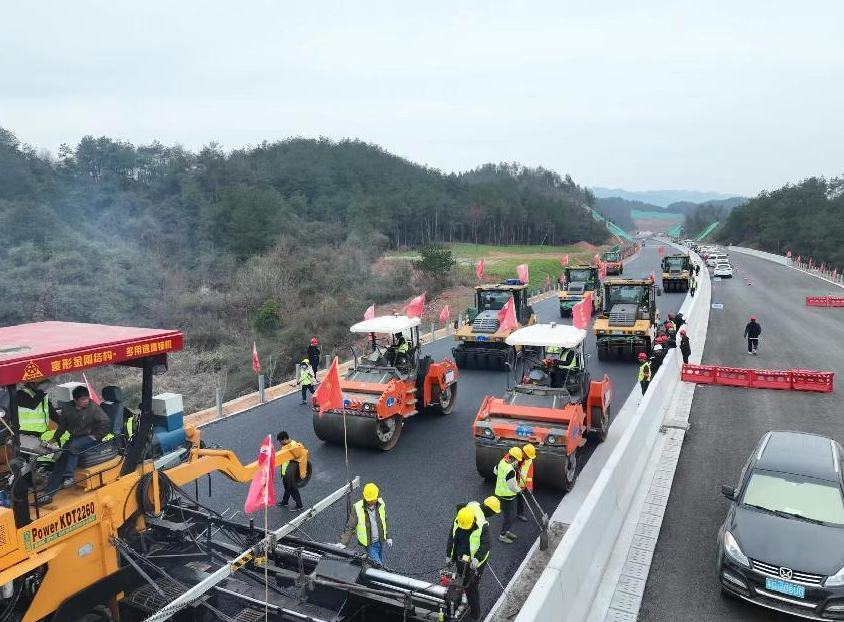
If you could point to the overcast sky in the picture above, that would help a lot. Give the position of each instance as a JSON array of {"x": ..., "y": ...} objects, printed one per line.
[{"x": 727, "y": 96}]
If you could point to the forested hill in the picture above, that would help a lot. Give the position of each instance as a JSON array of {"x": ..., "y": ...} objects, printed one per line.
[
  {"x": 804, "y": 218},
  {"x": 278, "y": 238}
]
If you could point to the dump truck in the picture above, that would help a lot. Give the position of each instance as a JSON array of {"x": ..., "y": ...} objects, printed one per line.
[
  {"x": 480, "y": 343},
  {"x": 626, "y": 324},
  {"x": 613, "y": 262},
  {"x": 577, "y": 281},
  {"x": 387, "y": 386},
  {"x": 675, "y": 273},
  {"x": 129, "y": 540},
  {"x": 553, "y": 406}
]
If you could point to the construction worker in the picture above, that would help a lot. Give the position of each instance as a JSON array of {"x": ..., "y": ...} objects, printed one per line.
[
  {"x": 678, "y": 320},
  {"x": 313, "y": 355},
  {"x": 697, "y": 269},
  {"x": 88, "y": 425},
  {"x": 34, "y": 408},
  {"x": 368, "y": 520},
  {"x": 644, "y": 372},
  {"x": 468, "y": 547},
  {"x": 306, "y": 378},
  {"x": 669, "y": 323},
  {"x": 685, "y": 346},
  {"x": 657, "y": 356},
  {"x": 506, "y": 489},
  {"x": 290, "y": 487},
  {"x": 525, "y": 470},
  {"x": 692, "y": 284},
  {"x": 752, "y": 332}
]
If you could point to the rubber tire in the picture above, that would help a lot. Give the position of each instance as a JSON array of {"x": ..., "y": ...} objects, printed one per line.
[
  {"x": 601, "y": 435},
  {"x": 389, "y": 444},
  {"x": 485, "y": 462},
  {"x": 298, "y": 481},
  {"x": 602, "y": 354},
  {"x": 436, "y": 396},
  {"x": 570, "y": 475}
]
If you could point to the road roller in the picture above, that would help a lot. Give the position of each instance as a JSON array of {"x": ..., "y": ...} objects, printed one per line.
[
  {"x": 626, "y": 324},
  {"x": 554, "y": 406},
  {"x": 578, "y": 281},
  {"x": 387, "y": 386}
]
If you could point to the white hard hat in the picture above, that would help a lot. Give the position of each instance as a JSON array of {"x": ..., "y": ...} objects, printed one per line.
[{"x": 657, "y": 347}]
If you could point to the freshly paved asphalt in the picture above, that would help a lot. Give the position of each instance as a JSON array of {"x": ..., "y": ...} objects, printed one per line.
[
  {"x": 727, "y": 423},
  {"x": 429, "y": 472}
]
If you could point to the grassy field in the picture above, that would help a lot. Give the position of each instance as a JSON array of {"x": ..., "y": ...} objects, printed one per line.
[{"x": 477, "y": 251}]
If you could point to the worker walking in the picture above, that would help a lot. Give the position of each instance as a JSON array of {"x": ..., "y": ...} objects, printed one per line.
[
  {"x": 291, "y": 490},
  {"x": 752, "y": 332},
  {"x": 368, "y": 520},
  {"x": 678, "y": 320},
  {"x": 506, "y": 489},
  {"x": 697, "y": 269},
  {"x": 644, "y": 372},
  {"x": 692, "y": 284},
  {"x": 685, "y": 346},
  {"x": 468, "y": 547},
  {"x": 525, "y": 471},
  {"x": 306, "y": 378},
  {"x": 313, "y": 355}
]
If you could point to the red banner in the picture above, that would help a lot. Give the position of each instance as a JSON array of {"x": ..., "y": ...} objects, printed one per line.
[
  {"x": 256, "y": 364},
  {"x": 479, "y": 269},
  {"x": 414, "y": 309},
  {"x": 507, "y": 316},
  {"x": 328, "y": 395},
  {"x": 523, "y": 272},
  {"x": 444, "y": 315},
  {"x": 581, "y": 313},
  {"x": 261, "y": 492}
]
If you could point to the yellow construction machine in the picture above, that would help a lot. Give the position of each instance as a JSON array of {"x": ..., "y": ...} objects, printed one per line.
[{"x": 626, "y": 324}]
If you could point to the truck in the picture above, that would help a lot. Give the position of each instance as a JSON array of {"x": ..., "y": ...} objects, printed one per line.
[
  {"x": 554, "y": 408},
  {"x": 576, "y": 282},
  {"x": 613, "y": 262},
  {"x": 386, "y": 387},
  {"x": 626, "y": 324},
  {"x": 481, "y": 344},
  {"x": 675, "y": 273}
]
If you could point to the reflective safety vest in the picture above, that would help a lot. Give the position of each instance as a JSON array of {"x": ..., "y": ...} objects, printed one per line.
[
  {"x": 480, "y": 517},
  {"x": 34, "y": 419},
  {"x": 292, "y": 443},
  {"x": 403, "y": 348},
  {"x": 306, "y": 376},
  {"x": 553, "y": 350},
  {"x": 474, "y": 538},
  {"x": 363, "y": 519},
  {"x": 502, "y": 490},
  {"x": 571, "y": 363},
  {"x": 645, "y": 371},
  {"x": 129, "y": 425},
  {"x": 526, "y": 474},
  {"x": 48, "y": 436}
]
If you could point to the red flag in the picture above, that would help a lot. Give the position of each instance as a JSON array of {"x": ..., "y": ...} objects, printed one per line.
[
  {"x": 256, "y": 364},
  {"x": 602, "y": 272},
  {"x": 93, "y": 394},
  {"x": 581, "y": 313},
  {"x": 523, "y": 273},
  {"x": 653, "y": 277},
  {"x": 798, "y": 259},
  {"x": 565, "y": 261},
  {"x": 370, "y": 313},
  {"x": 788, "y": 254},
  {"x": 507, "y": 316},
  {"x": 661, "y": 251},
  {"x": 444, "y": 315},
  {"x": 328, "y": 395},
  {"x": 261, "y": 492},
  {"x": 597, "y": 259},
  {"x": 479, "y": 269},
  {"x": 415, "y": 307}
]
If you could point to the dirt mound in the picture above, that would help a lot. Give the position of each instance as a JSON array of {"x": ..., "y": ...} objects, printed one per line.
[{"x": 586, "y": 247}]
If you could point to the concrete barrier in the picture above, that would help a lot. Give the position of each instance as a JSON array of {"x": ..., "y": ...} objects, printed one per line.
[
  {"x": 566, "y": 589},
  {"x": 760, "y": 254}
]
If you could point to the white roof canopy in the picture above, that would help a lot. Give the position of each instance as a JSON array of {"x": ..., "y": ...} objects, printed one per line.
[
  {"x": 547, "y": 335},
  {"x": 386, "y": 324}
]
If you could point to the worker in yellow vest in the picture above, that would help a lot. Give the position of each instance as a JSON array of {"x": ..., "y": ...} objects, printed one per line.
[
  {"x": 506, "y": 489},
  {"x": 306, "y": 378},
  {"x": 525, "y": 479},
  {"x": 368, "y": 520},
  {"x": 644, "y": 371},
  {"x": 468, "y": 547},
  {"x": 288, "y": 475},
  {"x": 34, "y": 409}
]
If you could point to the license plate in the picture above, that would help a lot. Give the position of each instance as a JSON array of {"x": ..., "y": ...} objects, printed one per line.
[
  {"x": 784, "y": 587},
  {"x": 524, "y": 431},
  {"x": 618, "y": 332},
  {"x": 483, "y": 338}
]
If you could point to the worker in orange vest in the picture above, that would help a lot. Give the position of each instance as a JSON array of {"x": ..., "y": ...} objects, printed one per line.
[{"x": 525, "y": 470}]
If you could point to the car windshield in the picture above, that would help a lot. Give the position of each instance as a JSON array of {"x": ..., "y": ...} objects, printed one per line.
[
  {"x": 579, "y": 275},
  {"x": 611, "y": 256},
  {"x": 796, "y": 495},
  {"x": 576, "y": 288},
  {"x": 492, "y": 301},
  {"x": 674, "y": 263},
  {"x": 723, "y": 266},
  {"x": 626, "y": 294}
]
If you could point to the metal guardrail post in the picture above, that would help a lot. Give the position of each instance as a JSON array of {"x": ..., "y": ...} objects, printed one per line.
[
  {"x": 261, "y": 384},
  {"x": 219, "y": 394}
]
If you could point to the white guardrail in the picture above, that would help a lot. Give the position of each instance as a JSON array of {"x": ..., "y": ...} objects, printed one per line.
[{"x": 567, "y": 587}]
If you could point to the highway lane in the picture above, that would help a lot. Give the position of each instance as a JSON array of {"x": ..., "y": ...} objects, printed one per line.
[
  {"x": 427, "y": 474},
  {"x": 727, "y": 423}
]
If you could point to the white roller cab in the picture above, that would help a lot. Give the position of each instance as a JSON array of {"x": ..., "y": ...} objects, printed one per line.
[
  {"x": 548, "y": 336},
  {"x": 386, "y": 324}
]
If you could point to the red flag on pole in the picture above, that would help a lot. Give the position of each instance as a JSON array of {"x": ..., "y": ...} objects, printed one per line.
[
  {"x": 415, "y": 307},
  {"x": 523, "y": 272},
  {"x": 788, "y": 254},
  {"x": 370, "y": 313},
  {"x": 444, "y": 315},
  {"x": 661, "y": 251},
  {"x": 328, "y": 395},
  {"x": 597, "y": 259},
  {"x": 479, "y": 269},
  {"x": 581, "y": 313},
  {"x": 256, "y": 364},
  {"x": 565, "y": 260},
  {"x": 261, "y": 493},
  {"x": 798, "y": 259},
  {"x": 653, "y": 277},
  {"x": 507, "y": 316},
  {"x": 93, "y": 394}
]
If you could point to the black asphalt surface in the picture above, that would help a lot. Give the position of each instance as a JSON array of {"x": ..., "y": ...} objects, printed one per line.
[
  {"x": 726, "y": 425},
  {"x": 429, "y": 472}
]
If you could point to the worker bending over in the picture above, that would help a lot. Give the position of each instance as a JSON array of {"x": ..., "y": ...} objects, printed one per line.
[
  {"x": 369, "y": 521},
  {"x": 468, "y": 547},
  {"x": 506, "y": 489}
]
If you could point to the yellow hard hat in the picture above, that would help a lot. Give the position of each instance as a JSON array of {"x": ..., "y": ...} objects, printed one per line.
[
  {"x": 370, "y": 492},
  {"x": 493, "y": 504},
  {"x": 516, "y": 453},
  {"x": 465, "y": 518},
  {"x": 530, "y": 451}
]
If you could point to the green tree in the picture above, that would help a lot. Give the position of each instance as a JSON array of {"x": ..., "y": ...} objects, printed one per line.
[{"x": 436, "y": 262}]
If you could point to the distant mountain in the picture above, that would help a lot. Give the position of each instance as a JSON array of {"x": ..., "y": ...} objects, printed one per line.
[{"x": 661, "y": 198}]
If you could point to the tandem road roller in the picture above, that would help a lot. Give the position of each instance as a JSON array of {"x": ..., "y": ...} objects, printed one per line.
[
  {"x": 555, "y": 406},
  {"x": 577, "y": 282},
  {"x": 627, "y": 322},
  {"x": 389, "y": 385}
]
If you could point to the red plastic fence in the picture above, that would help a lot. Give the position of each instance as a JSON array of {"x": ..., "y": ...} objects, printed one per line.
[
  {"x": 793, "y": 380},
  {"x": 824, "y": 301}
]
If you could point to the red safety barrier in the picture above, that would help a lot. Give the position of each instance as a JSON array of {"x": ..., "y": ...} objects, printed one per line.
[
  {"x": 805, "y": 380},
  {"x": 770, "y": 379},
  {"x": 817, "y": 301},
  {"x": 700, "y": 374},
  {"x": 836, "y": 301},
  {"x": 732, "y": 376}
]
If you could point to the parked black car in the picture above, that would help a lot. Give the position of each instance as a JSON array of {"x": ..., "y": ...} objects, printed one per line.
[{"x": 782, "y": 543}]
